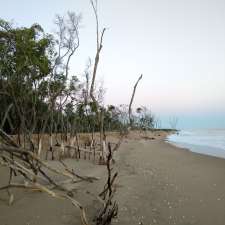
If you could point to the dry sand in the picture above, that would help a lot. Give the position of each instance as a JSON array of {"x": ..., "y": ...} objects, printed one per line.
[{"x": 157, "y": 184}]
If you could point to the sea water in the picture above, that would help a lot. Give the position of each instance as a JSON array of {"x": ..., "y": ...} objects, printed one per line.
[{"x": 209, "y": 142}]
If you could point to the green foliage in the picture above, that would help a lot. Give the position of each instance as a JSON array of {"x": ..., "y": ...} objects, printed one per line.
[
  {"x": 24, "y": 66},
  {"x": 34, "y": 79}
]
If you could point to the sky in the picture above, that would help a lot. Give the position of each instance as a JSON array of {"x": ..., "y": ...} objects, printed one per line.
[{"x": 178, "y": 46}]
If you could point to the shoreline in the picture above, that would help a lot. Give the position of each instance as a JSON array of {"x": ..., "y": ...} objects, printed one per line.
[
  {"x": 176, "y": 145},
  {"x": 206, "y": 142},
  {"x": 173, "y": 185}
]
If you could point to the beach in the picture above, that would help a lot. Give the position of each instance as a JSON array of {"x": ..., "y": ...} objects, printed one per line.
[{"x": 158, "y": 183}]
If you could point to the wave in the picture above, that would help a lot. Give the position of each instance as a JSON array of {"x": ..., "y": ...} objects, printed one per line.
[{"x": 210, "y": 142}]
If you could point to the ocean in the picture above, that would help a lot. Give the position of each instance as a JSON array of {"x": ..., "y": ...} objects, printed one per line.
[{"x": 208, "y": 142}]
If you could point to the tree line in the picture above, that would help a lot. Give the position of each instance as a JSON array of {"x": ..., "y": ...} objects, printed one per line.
[{"x": 36, "y": 90}]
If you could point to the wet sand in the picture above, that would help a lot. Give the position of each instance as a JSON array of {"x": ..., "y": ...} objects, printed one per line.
[{"x": 158, "y": 183}]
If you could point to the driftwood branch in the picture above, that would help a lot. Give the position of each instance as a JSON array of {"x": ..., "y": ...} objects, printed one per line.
[
  {"x": 110, "y": 207},
  {"x": 7, "y": 139},
  {"x": 71, "y": 171},
  {"x": 29, "y": 165},
  {"x": 38, "y": 187}
]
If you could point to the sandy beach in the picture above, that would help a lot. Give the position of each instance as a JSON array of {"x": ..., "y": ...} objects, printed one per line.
[{"x": 158, "y": 183}]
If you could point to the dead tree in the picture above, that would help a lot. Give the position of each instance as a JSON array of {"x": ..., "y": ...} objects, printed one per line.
[
  {"x": 99, "y": 45},
  {"x": 131, "y": 102}
]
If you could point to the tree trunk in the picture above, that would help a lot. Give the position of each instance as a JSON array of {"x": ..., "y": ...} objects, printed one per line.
[{"x": 131, "y": 102}]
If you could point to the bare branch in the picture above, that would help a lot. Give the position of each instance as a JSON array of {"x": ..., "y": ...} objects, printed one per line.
[{"x": 131, "y": 101}]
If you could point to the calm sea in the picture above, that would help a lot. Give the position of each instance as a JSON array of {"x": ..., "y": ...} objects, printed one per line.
[{"x": 209, "y": 142}]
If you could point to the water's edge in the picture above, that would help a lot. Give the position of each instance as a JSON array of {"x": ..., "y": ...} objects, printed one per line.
[{"x": 189, "y": 142}]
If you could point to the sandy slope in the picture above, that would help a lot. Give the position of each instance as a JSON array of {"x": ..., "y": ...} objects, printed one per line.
[{"x": 157, "y": 184}]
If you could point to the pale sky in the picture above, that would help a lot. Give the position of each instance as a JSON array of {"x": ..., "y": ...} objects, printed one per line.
[{"x": 178, "y": 46}]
